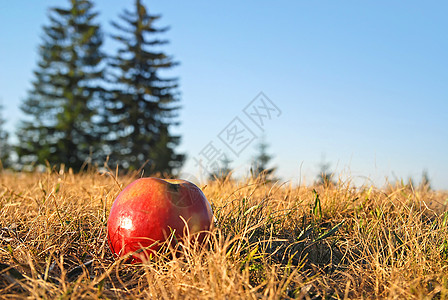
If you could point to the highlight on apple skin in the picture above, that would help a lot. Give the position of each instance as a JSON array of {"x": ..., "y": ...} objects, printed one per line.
[{"x": 149, "y": 210}]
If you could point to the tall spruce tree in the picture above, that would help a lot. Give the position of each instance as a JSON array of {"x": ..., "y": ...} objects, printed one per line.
[
  {"x": 142, "y": 107},
  {"x": 62, "y": 106},
  {"x": 4, "y": 145}
]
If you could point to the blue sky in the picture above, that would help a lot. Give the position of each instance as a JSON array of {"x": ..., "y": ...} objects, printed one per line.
[{"x": 363, "y": 83}]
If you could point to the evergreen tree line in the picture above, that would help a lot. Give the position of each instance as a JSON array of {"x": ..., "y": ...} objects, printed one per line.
[
  {"x": 259, "y": 165},
  {"x": 87, "y": 107},
  {"x": 4, "y": 146}
]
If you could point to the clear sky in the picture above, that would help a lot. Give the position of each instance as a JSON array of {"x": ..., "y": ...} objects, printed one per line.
[{"x": 363, "y": 83}]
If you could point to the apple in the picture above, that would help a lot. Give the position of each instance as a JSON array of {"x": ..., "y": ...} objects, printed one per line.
[{"x": 149, "y": 210}]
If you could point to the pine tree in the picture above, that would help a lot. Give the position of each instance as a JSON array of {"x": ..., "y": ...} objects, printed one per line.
[
  {"x": 425, "y": 183},
  {"x": 223, "y": 170},
  {"x": 4, "y": 146},
  {"x": 142, "y": 107},
  {"x": 261, "y": 161},
  {"x": 62, "y": 106},
  {"x": 325, "y": 175}
]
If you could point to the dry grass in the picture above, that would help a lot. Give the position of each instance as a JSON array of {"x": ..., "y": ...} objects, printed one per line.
[{"x": 271, "y": 241}]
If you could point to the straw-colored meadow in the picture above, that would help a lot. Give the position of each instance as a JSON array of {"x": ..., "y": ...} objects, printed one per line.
[{"x": 270, "y": 241}]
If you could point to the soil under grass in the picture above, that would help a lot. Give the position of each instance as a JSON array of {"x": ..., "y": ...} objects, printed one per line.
[{"x": 271, "y": 241}]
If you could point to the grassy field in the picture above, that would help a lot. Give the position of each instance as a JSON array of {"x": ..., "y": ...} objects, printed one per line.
[{"x": 271, "y": 241}]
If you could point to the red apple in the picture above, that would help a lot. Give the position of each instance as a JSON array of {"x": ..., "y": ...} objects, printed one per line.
[{"x": 148, "y": 210}]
